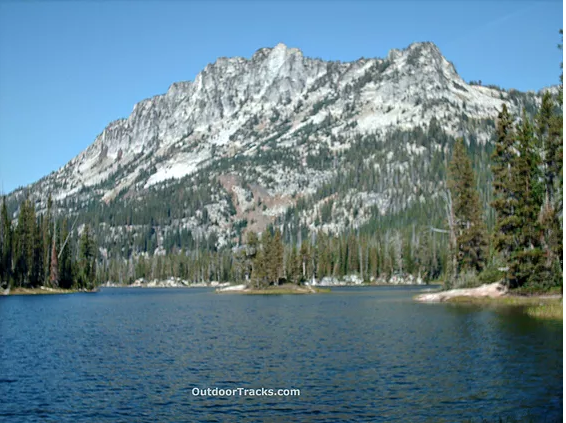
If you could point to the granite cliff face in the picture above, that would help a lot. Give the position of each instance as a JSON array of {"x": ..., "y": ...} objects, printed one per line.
[{"x": 271, "y": 130}]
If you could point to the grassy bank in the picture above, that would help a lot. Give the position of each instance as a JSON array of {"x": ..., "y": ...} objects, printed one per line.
[
  {"x": 551, "y": 311},
  {"x": 40, "y": 291},
  {"x": 44, "y": 291},
  {"x": 538, "y": 306}
]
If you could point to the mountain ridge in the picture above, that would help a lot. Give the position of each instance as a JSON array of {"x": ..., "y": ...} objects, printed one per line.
[{"x": 281, "y": 104}]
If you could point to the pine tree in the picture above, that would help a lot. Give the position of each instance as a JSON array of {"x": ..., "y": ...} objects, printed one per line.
[
  {"x": 424, "y": 260},
  {"x": 87, "y": 270},
  {"x": 304, "y": 256},
  {"x": 47, "y": 234},
  {"x": 259, "y": 272},
  {"x": 323, "y": 255},
  {"x": 548, "y": 143},
  {"x": 24, "y": 241},
  {"x": 276, "y": 260},
  {"x": 267, "y": 256},
  {"x": 251, "y": 251},
  {"x": 7, "y": 246},
  {"x": 504, "y": 195},
  {"x": 353, "y": 255},
  {"x": 470, "y": 228},
  {"x": 37, "y": 274},
  {"x": 54, "y": 266},
  {"x": 66, "y": 276},
  {"x": 526, "y": 260},
  {"x": 549, "y": 137},
  {"x": 293, "y": 265}
]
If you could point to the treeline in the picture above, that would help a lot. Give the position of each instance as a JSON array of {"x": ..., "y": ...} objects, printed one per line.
[
  {"x": 34, "y": 252},
  {"x": 526, "y": 242},
  {"x": 524, "y": 246},
  {"x": 41, "y": 250},
  {"x": 527, "y": 168},
  {"x": 268, "y": 259},
  {"x": 498, "y": 216}
]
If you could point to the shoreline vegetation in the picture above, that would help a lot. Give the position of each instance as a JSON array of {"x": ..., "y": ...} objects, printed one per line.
[
  {"x": 285, "y": 288},
  {"x": 44, "y": 290},
  {"x": 547, "y": 306},
  {"x": 492, "y": 214}
]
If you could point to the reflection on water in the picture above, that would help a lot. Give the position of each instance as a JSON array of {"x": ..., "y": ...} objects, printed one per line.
[{"x": 357, "y": 354}]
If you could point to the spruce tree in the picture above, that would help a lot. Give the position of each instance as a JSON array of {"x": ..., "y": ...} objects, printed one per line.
[
  {"x": 251, "y": 251},
  {"x": 7, "y": 246},
  {"x": 526, "y": 259},
  {"x": 549, "y": 143},
  {"x": 504, "y": 195},
  {"x": 470, "y": 228},
  {"x": 65, "y": 262},
  {"x": 276, "y": 267},
  {"x": 87, "y": 256},
  {"x": 24, "y": 242},
  {"x": 268, "y": 256},
  {"x": 47, "y": 235},
  {"x": 38, "y": 271},
  {"x": 304, "y": 257},
  {"x": 259, "y": 272},
  {"x": 54, "y": 265}
]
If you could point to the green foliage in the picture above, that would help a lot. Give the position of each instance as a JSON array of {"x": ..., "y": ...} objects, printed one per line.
[
  {"x": 87, "y": 260},
  {"x": 517, "y": 196},
  {"x": 527, "y": 168},
  {"x": 491, "y": 274},
  {"x": 24, "y": 259},
  {"x": 6, "y": 246},
  {"x": 471, "y": 243}
]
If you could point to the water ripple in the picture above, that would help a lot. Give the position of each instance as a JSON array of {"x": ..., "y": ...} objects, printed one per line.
[{"x": 359, "y": 355}]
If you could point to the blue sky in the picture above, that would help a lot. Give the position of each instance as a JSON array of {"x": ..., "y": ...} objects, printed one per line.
[{"x": 69, "y": 68}]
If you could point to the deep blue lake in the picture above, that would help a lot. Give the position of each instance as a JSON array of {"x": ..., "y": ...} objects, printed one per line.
[{"x": 357, "y": 354}]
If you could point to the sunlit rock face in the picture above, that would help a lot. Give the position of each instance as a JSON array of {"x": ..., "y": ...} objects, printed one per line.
[{"x": 281, "y": 101}]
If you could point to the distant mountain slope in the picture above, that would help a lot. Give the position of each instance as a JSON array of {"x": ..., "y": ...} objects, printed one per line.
[{"x": 280, "y": 138}]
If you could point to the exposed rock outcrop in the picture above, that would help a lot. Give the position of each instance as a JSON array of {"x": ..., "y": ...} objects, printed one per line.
[{"x": 493, "y": 290}]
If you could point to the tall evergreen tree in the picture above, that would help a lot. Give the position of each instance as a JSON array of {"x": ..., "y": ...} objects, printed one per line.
[
  {"x": 549, "y": 143},
  {"x": 251, "y": 251},
  {"x": 469, "y": 225},
  {"x": 66, "y": 276},
  {"x": 38, "y": 271},
  {"x": 259, "y": 272},
  {"x": 504, "y": 195},
  {"x": 276, "y": 258},
  {"x": 525, "y": 261},
  {"x": 7, "y": 245},
  {"x": 24, "y": 241},
  {"x": 87, "y": 269},
  {"x": 54, "y": 265},
  {"x": 268, "y": 257},
  {"x": 47, "y": 234},
  {"x": 305, "y": 256}
]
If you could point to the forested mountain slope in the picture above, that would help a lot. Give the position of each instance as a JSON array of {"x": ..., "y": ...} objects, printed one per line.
[{"x": 307, "y": 145}]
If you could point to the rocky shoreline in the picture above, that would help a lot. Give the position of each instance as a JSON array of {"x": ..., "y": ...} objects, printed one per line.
[
  {"x": 328, "y": 281},
  {"x": 494, "y": 290},
  {"x": 272, "y": 290},
  {"x": 356, "y": 280},
  {"x": 172, "y": 282}
]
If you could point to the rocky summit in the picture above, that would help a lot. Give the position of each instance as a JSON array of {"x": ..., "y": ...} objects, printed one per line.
[{"x": 280, "y": 138}]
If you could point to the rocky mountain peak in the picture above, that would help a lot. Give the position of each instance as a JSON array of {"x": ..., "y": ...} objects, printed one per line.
[{"x": 277, "y": 126}]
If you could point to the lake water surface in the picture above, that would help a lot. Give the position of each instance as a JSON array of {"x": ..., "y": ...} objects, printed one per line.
[{"x": 357, "y": 354}]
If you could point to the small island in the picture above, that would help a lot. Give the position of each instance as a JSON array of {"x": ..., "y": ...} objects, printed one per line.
[
  {"x": 286, "y": 288},
  {"x": 44, "y": 290}
]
